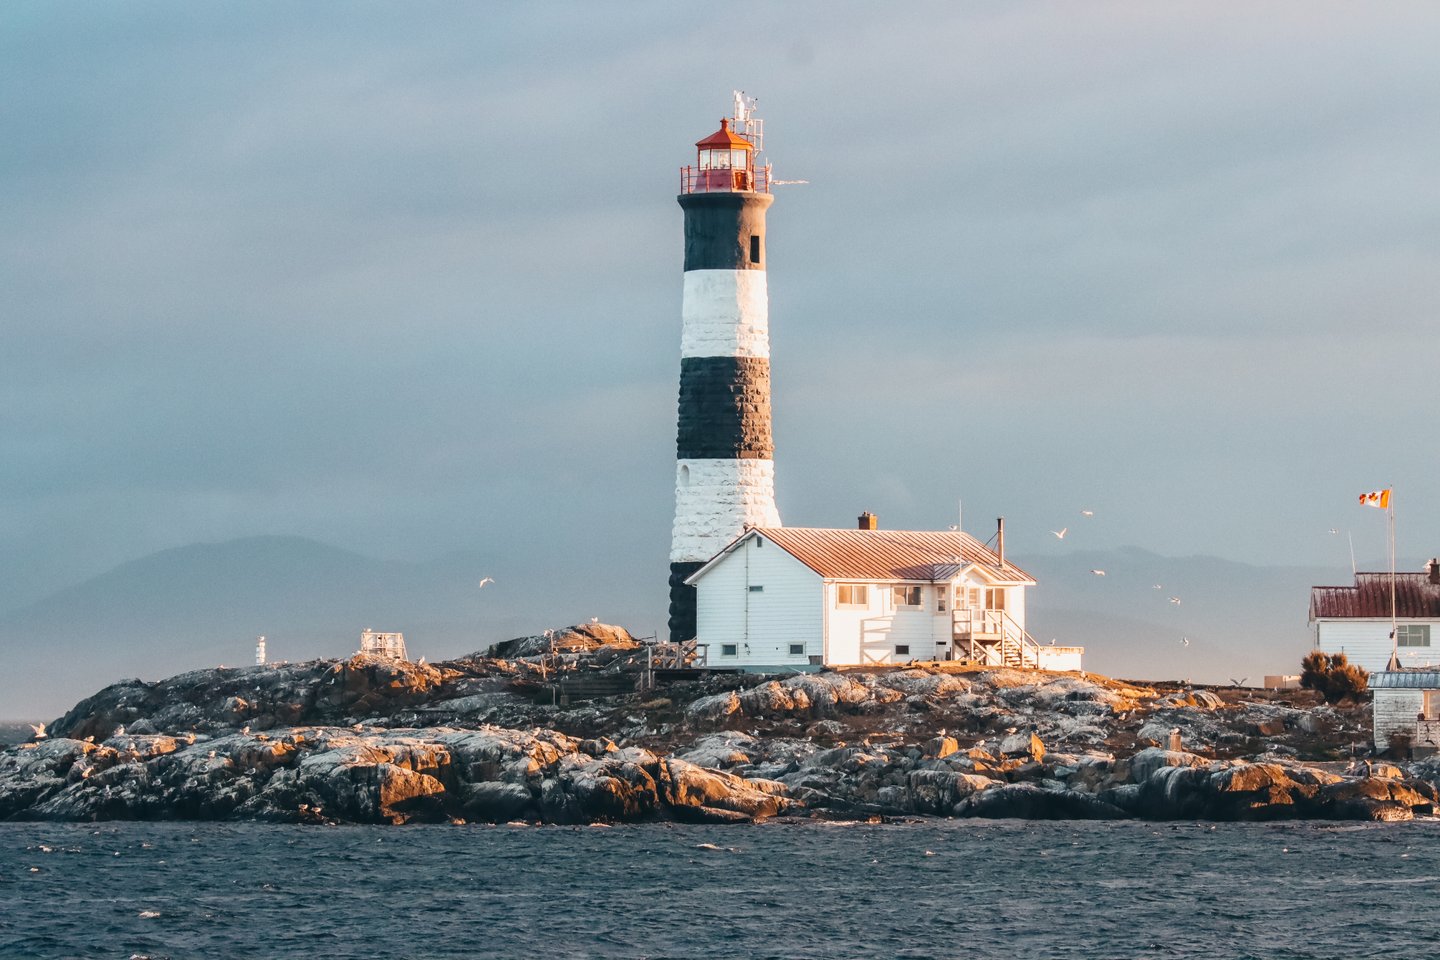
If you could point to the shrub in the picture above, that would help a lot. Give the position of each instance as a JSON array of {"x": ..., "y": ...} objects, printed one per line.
[{"x": 1333, "y": 676}]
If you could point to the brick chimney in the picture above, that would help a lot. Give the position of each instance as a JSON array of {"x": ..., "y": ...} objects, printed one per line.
[
  {"x": 868, "y": 521},
  {"x": 1435, "y": 570}
]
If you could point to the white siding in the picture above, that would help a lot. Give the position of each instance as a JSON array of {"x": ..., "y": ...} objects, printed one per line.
[
  {"x": 1367, "y": 643},
  {"x": 1395, "y": 711},
  {"x": 761, "y": 623}
]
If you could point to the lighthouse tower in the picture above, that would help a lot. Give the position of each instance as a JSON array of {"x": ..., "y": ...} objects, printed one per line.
[{"x": 725, "y": 468}]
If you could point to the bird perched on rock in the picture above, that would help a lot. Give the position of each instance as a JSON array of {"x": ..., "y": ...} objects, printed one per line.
[
  {"x": 245, "y": 729},
  {"x": 119, "y": 731}
]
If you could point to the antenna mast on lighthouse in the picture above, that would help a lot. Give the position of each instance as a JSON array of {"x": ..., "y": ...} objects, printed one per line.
[{"x": 725, "y": 467}]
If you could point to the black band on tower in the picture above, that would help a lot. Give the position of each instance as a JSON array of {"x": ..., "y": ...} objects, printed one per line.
[
  {"x": 682, "y": 602},
  {"x": 725, "y": 409},
  {"x": 725, "y": 231}
]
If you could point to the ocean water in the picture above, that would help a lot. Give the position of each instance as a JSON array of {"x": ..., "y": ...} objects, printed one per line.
[{"x": 922, "y": 889}]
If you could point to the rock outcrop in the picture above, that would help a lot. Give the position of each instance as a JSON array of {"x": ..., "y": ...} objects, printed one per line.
[{"x": 371, "y": 740}]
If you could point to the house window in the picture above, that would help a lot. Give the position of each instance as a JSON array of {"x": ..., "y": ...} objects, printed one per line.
[
  {"x": 902, "y": 649},
  {"x": 729, "y": 649},
  {"x": 756, "y": 588},
  {"x": 994, "y": 598},
  {"x": 906, "y": 596},
  {"x": 797, "y": 649},
  {"x": 1412, "y": 635},
  {"x": 755, "y": 248},
  {"x": 942, "y": 599},
  {"x": 852, "y": 595}
]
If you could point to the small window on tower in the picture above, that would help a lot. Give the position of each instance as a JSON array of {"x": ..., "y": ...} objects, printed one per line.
[{"x": 755, "y": 248}]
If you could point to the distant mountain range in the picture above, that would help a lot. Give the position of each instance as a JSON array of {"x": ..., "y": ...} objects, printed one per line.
[{"x": 204, "y": 604}]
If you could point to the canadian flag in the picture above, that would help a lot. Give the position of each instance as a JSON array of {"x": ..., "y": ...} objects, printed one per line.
[{"x": 1376, "y": 498}]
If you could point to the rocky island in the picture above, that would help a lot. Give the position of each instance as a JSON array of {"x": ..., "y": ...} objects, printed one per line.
[{"x": 491, "y": 737}]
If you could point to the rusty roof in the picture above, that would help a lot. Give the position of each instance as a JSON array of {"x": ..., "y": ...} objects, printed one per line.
[
  {"x": 890, "y": 554},
  {"x": 1415, "y": 598},
  {"x": 724, "y": 138}
]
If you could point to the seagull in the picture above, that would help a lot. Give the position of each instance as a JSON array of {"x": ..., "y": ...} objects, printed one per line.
[
  {"x": 40, "y": 733},
  {"x": 1238, "y": 683},
  {"x": 245, "y": 729},
  {"x": 1157, "y": 586},
  {"x": 1333, "y": 530},
  {"x": 594, "y": 619},
  {"x": 1098, "y": 573},
  {"x": 1185, "y": 641},
  {"x": 954, "y": 526},
  {"x": 1175, "y": 600},
  {"x": 1060, "y": 534},
  {"x": 485, "y": 580},
  {"x": 119, "y": 731},
  {"x": 1087, "y": 513}
]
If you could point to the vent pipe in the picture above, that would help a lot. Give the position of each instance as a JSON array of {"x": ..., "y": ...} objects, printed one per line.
[
  {"x": 1000, "y": 539},
  {"x": 868, "y": 521}
]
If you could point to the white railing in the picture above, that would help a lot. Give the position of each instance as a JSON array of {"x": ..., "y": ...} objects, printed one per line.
[{"x": 994, "y": 639}]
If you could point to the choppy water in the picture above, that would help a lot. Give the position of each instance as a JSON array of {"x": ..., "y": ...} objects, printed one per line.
[{"x": 938, "y": 888}]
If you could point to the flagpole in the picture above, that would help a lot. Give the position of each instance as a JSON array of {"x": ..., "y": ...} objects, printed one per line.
[{"x": 1394, "y": 631}]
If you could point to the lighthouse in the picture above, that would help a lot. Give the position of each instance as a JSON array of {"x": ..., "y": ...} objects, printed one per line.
[{"x": 725, "y": 467}]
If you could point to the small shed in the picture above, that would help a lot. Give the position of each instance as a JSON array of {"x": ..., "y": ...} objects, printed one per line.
[{"x": 1406, "y": 703}]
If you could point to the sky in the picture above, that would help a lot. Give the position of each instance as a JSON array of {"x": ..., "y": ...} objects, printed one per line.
[{"x": 405, "y": 278}]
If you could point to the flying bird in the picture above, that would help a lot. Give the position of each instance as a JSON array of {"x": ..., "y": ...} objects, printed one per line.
[
  {"x": 1238, "y": 683},
  {"x": 1185, "y": 641},
  {"x": 1098, "y": 573},
  {"x": 1333, "y": 530},
  {"x": 1175, "y": 600},
  {"x": 485, "y": 580},
  {"x": 1157, "y": 586},
  {"x": 1087, "y": 513},
  {"x": 39, "y": 729},
  {"x": 1060, "y": 534}
]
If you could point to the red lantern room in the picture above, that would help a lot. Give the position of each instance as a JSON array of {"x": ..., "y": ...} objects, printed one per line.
[{"x": 725, "y": 161}]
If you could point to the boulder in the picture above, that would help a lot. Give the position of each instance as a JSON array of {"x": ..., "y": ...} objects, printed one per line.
[
  {"x": 1030, "y": 802},
  {"x": 1024, "y": 743}
]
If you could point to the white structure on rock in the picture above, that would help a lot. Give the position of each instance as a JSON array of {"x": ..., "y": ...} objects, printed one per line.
[
  {"x": 259, "y": 651},
  {"x": 792, "y": 598},
  {"x": 1356, "y": 620},
  {"x": 390, "y": 645},
  {"x": 1407, "y": 705}
]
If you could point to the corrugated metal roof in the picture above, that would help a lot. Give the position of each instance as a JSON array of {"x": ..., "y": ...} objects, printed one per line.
[
  {"x": 890, "y": 554},
  {"x": 1411, "y": 679},
  {"x": 1415, "y": 597}
]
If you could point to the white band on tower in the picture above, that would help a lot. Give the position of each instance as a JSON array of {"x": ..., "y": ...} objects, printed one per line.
[
  {"x": 716, "y": 498},
  {"x": 725, "y": 313}
]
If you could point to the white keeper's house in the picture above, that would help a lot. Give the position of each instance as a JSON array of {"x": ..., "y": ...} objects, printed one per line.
[
  {"x": 1355, "y": 620},
  {"x": 798, "y": 598}
]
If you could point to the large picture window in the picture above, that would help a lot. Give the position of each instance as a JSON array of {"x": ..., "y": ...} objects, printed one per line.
[{"x": 1412, "y": 635}]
